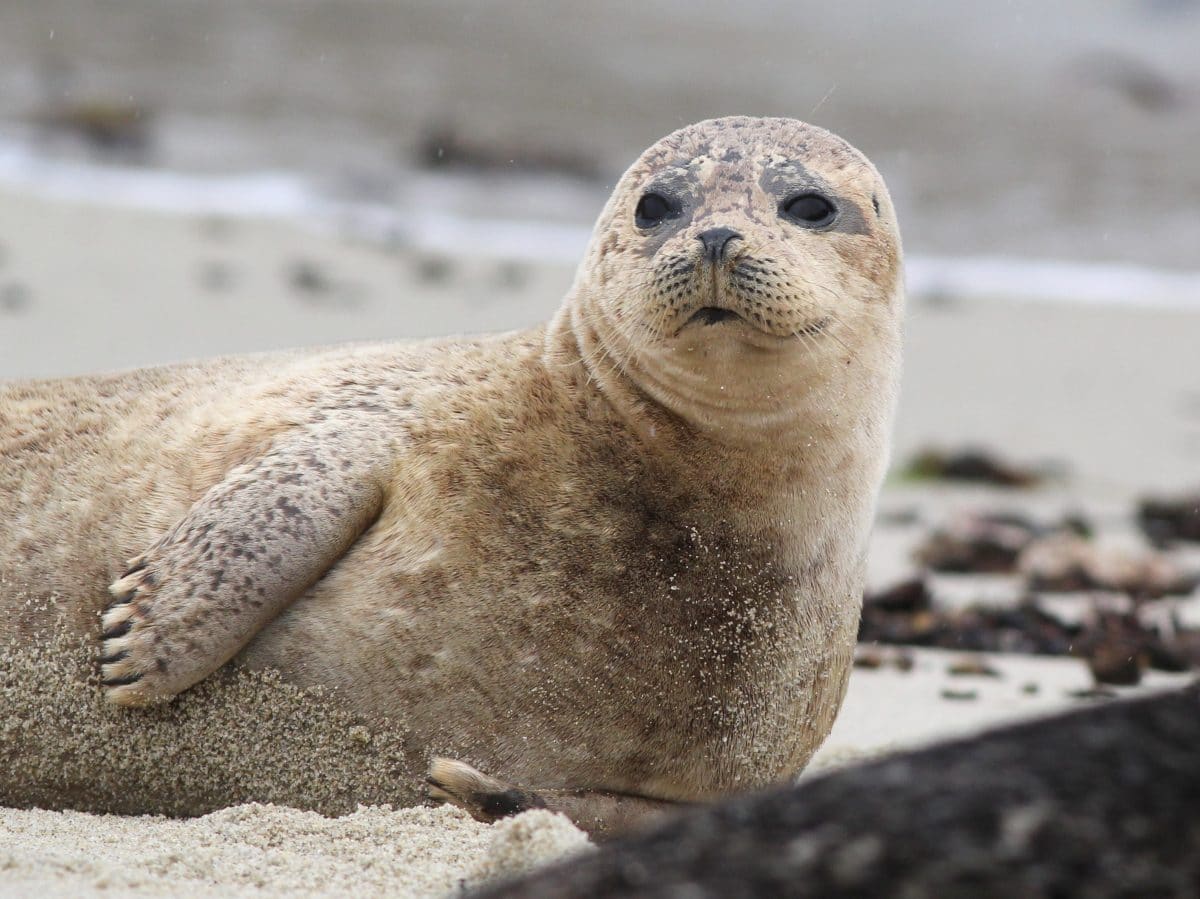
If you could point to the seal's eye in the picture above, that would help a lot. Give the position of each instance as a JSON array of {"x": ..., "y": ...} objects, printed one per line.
[
  {"x": 653, "y": 208},
  {"x": 810, "y": 210}
]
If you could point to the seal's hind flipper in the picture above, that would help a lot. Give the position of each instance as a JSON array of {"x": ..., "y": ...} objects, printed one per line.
[
  {"x": 245, "y": 550},
  {"x": 601, "y": 813},
  {"x": 483, "y": 798}
]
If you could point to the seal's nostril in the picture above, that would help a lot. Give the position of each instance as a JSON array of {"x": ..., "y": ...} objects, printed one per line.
[{"x": 716, "y": 241}]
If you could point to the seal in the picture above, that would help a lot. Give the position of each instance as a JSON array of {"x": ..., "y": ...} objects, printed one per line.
[{"x": 615, "y": 561}]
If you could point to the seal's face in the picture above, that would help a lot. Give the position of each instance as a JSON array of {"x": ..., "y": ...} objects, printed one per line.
[{"x": 765, "y": 232}]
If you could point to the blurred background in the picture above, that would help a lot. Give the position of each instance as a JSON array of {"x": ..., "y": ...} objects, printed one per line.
[{"x": 181, "y": 178}]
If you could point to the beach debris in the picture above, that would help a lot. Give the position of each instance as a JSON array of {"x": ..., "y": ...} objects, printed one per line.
[
  {"x": 1115, "y": 649},
  {"x": 990, "y": 542},
  {"x": 1106, "y": 639},
  {"x": 960, "y": 695},
  {"x": 976, "y": 544},
  {"x": 434, "y": 269},
  {"x": 306, "y": 276},
  {"x": 976, "y": 466},
  {"x": 870, "y": 659},
  {"x": 108, "y": 127},
  {"x": 1116, "y": 663},
  {"x": 446, "y": 147},
  {"x": 1167, "y": 520},
  {"x": 873, "y": 658},
  {"x": 971, "y": 666},
  {"x": 1093, "y": 693},
  {"x": 216, "y": 227},
  {"x": 216, "y": 276},
  {"x": 899, "y": 516},
  {"x": 1066, "y": 563},
  {"x": 312, "y": 283},
  {"x": 1024, "y": 628},
  {"x": 512, "y": 275},
  {"x": 1134, "y": 80},
  {"x": 14, "y": 297},
  {"x": 907, "y": 596}
]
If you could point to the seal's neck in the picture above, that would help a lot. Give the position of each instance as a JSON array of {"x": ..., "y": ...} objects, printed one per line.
[
  {"x": 757, "y": 403},
  {"x": 805, "y": 457}
]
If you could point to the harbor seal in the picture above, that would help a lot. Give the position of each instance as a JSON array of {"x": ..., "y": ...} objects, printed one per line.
[{"x": 606, "y": 565}]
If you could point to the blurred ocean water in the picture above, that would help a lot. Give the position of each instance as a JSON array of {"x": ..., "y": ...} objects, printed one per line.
[
  {"x": 1040, "y": 149},
  {"x": 531, "y": 218}
]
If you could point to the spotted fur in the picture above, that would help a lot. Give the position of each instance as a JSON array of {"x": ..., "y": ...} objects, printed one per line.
[{"x": 617, "y": 558}]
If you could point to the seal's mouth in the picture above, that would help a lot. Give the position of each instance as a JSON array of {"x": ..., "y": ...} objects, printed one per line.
[{"x": 711, "y": 315}]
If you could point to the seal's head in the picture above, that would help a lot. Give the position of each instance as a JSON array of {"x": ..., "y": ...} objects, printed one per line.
[{"x": 742, "y": 256}]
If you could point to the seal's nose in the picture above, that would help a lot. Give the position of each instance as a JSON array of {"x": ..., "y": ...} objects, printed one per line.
[{"x": 716, "y": 241}]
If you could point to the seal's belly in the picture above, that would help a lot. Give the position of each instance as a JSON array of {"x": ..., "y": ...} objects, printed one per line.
[{"x": 685, "y": 682}]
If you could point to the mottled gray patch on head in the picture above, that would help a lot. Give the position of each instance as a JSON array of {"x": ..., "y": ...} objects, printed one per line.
[{"x": 787, "y": 179}]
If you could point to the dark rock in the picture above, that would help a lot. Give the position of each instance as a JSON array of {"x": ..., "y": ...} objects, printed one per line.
[
  {"x": 1024, "y": 628},
  {"x": 1165, "y": 521},
  {"x": 1115, "y": 649},
  {"x": 1117, "y": 662},
  {"x": 1098, "y": 803},
  {"x": 906, "y": 615},
  {"x": 907, "y": 596}
]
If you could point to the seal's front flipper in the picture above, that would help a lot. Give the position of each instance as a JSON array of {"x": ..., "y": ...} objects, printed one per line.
[
  {"x": 600, "y": 813},
  {"x": 245, "y": 550}
]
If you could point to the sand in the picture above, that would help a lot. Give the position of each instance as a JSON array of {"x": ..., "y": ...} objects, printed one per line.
[
  {"x": 257, "y": 849},
  {"x": 1110, "y": 392},
  {"x": 265, "y": 850}
]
